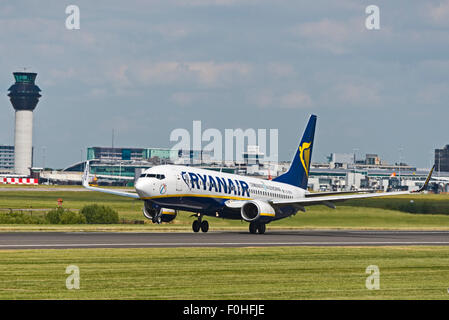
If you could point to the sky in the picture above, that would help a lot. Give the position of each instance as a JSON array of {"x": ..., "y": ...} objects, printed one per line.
[{"x": 145, "y": 68}]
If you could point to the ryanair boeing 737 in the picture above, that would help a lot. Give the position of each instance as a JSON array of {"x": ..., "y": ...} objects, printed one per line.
[{"x": 167, "y": 189}]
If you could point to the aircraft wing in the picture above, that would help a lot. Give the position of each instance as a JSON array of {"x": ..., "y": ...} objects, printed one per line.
[
  {"x": 110, "y": 191},
  {"x": 333, "y": 193},
  {"x": 316, "y": 200},
  {"x": 327, "y": 200}
]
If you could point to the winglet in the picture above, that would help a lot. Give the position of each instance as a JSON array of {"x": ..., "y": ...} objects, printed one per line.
[
  {"x": 424, "y": 187},
  {"x": 85, "y": 177}
]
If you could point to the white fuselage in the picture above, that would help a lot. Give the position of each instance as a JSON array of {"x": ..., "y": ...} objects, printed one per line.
[{"x": 170, "y": 181}]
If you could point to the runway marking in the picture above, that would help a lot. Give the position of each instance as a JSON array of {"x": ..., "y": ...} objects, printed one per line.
[{"x": 183, "y": 244}]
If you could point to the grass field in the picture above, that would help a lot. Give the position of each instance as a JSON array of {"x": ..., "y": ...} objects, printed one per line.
[
  {"x": 347, "y": 214},
  {"x": 227, "y": 273}
]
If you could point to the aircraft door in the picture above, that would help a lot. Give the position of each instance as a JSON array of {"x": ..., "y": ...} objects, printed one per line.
[{"x": 178, "y": 183}]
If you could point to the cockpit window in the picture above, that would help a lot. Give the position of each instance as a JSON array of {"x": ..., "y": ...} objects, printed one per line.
[{"x": 153, "y": 175}]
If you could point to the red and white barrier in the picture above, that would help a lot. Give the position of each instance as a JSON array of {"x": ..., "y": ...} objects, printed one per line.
[{"x": 26, "y": 181}]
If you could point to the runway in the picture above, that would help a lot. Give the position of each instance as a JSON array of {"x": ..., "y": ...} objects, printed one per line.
[{"x": 69, "y": 240}]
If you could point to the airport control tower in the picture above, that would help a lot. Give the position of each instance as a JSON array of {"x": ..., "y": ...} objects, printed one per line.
[{"x": 24, "y": 96}]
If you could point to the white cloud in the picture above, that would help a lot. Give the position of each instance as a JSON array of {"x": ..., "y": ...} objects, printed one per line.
[
  {"x": 357, "y": 94},
  {"x": 211, "y": 73},
  {"x": 205, "y": 73},
  {"x": 158, "y": 73},
  {"x": 326, "y": 34},
  {"x": 280, "y": 69},
  {"x": 292, "y": 100},
  {"x": 98, "y": 92},
  {"x": 337, "y": 37},
  {"x": 439, "y": 14},
  {"x": 215, "y": 2},
  {"x": 184, "y": 98},
  {"x": 433, "y": 94},
  {"x": 176, "y": 31},
  {"x": 119, "y": 75},
  {"x": 262, "y": 99},
  {"x": 296, "y": 100}
]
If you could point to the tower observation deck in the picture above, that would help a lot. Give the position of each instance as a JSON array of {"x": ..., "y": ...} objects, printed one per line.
[{"x": 24, "y": 96}]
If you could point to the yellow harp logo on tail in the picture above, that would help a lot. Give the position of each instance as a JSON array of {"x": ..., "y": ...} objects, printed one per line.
[{"x": 304, "y": 155}]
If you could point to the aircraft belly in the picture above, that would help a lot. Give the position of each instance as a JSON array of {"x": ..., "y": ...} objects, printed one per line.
[{"x": 192, "y": 203}]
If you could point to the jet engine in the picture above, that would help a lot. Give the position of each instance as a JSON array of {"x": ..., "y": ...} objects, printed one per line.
[
  {"x": 257, "y": 210},
  {"x": 158, "y": 214}
]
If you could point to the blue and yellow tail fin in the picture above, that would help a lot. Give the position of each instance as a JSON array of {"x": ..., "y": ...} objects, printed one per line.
[{"x": 298, "y": 173}]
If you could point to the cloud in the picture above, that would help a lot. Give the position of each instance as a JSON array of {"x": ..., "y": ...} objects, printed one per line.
[
  {"x": 119, "y": 75},
  {"x": 291, "y": 100},
  {"x": 357, "y": 94},
  {"x": 215, "y": 2},
  {"x": 433, "y": 94},
  {"x": 207, "y": 73},
  {"x": 326, "y": 34},
  {"x": 342, "y": 36},
  {"x": 280, "y": 69},
  {"x": 184, "y": 98},
  {"x": 211, "y": 73},
  {"x": 296, "y": 100},
  {"x": 439, "y": 13},
  {"x": 98, "y": 92},
  {"x": 262, "y": 99}
]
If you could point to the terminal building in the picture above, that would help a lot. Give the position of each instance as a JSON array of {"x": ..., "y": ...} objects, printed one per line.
[
  {"x": 442, "y": 159},
  {"x": 6, "y": 159},
  {"x": 122, "y": 165},
  {"x": 144, "y": 154}
]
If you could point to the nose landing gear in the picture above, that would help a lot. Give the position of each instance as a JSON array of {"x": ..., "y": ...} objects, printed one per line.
[
  {"x": 200, "y": 224},
  {"x": 157, "y": 218}
]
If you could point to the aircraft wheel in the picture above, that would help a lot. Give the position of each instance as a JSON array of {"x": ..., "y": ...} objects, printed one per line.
[
  {"x": 252, "y": 227},
  {"x": 204, "y": 226},
  {"x": 196, "y": 226},
  {"x": 261, "y": 228},
  {"x": 157, "y": 219}
]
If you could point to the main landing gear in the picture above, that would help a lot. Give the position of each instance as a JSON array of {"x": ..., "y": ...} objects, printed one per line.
[
  {"x": 257, "y": 227},
  {"x": 200, "y": 224}
]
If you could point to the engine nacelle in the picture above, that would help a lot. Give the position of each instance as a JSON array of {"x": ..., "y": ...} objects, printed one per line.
[
  {"x": 158, "y": 214},
  {"x": 256, "y": 209}
]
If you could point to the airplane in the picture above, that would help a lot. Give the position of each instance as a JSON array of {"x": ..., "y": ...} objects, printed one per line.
[
  {"x": 167, "y": 189},
  {"x": 444, "y": 179}
]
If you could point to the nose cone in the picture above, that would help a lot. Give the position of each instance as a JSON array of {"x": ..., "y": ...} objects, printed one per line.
[{"x": 140, "y": 187}]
